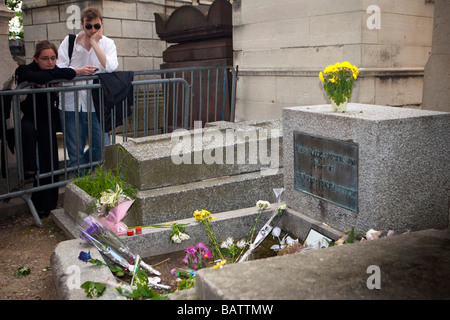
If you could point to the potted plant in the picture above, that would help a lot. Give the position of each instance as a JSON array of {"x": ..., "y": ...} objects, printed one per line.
[{"x": 338, "y": 83}]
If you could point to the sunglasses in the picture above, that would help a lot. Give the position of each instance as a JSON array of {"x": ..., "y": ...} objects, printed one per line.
[{"x": 89, "y": 26}]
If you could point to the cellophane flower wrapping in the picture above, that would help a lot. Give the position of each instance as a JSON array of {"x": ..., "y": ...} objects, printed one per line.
[
  {"x": 95, "y": 228},
  {"x": 113, "y": 221},
  {"x": 92, "y": 228}
]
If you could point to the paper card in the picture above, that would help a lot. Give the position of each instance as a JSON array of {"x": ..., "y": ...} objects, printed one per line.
[{"x": 314, "y": 236}]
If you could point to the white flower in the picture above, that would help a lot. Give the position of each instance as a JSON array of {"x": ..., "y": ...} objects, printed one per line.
[
  {"x": 240, "y": 244},
  {"x": 290, "y": 241},
  {"x": 176, "y": 238},
  {"x": 262, "y": 204},
  {"x": 106, "y": 198},
  {"x": 183, "y": 236},
  {"x": 227, "y": 243}
]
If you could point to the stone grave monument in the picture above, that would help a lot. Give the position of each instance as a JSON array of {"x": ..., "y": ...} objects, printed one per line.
[
  {"x": 372, "y": 167},
  {"x": 200, "y": 36}
]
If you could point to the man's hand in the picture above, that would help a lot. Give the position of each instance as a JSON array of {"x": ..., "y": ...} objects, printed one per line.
[
  {"x": 95, "y": 38},
  {"x": 86, "y": 70}
]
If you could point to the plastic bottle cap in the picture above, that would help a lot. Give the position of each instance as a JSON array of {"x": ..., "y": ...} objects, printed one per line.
[{"x": 130, "y": 232}]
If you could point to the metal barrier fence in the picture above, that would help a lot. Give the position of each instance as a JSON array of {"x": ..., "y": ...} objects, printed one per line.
[{"x": 163, "y": 100}]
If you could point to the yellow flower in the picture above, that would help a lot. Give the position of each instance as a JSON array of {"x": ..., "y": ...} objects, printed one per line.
[
  {"x": 347, "y": 65},
  {"x": 219, "y": 264},
  {"x": 321, "y": 76},
  {"x": 203, "y": 215},
  {"x": 330, "y": 69}
]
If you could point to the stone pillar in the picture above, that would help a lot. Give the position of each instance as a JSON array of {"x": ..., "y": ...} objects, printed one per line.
[
  {"x": 436, "y": 88},
  {"x": 372, "y": 167},
  {"x": 6, "y": 60}
]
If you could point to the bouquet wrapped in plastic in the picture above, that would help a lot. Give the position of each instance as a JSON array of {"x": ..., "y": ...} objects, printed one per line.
[
  {"x": 93, "y": 231},
  {"x": 113, "y": 221},
  {"x": 114, "y": 205}
]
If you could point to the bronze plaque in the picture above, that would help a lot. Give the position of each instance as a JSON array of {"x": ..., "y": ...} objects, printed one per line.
[{"x": 327, "y": 169}]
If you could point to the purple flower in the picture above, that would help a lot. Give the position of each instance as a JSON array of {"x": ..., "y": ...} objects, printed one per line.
[{"x": 84, "y": 256}]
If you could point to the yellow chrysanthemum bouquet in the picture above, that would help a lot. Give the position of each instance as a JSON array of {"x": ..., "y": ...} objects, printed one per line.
[{"x": 338, "y": 81}]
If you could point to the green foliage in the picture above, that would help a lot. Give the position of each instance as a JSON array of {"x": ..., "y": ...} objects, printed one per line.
[
  {"x": 352, "y": 237},
  {"x": 22, "y": 271},
  {"x": 93, "y": 289},
  {"x": 16, "y": 24},
  {"x": 187, "y": 283},
  {"x": 141, "y": 290},
  {"x": 341, "y": 89},
  {"x": 102, "y": 179},
  {"x": 338, "y": 81}
]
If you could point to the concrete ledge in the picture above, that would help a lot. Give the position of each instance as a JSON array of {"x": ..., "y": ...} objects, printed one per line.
[
  {"x": 217, "y": 195},
  {"x": 69, "y": 272},
  {"x": 413, "y": 266}
]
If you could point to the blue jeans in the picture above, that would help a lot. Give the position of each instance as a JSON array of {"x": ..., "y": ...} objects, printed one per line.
[{"x": 76, "y": 145}]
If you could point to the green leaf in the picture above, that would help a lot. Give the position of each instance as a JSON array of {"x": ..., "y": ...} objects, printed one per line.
[
  {"x": 93, "y": 289},
  {"x": 351, "y": 236}
]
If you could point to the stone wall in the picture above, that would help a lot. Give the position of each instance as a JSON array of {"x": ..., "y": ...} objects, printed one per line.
[
  {"x": 281, "y": 46},
  {"x": 130, "y": 23}
]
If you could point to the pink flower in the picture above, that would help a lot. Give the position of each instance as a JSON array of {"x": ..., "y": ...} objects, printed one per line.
[{"x": 372, "y": 234}]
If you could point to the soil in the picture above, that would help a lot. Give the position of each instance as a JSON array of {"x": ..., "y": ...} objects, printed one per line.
[{"x": 24, "y": 244}]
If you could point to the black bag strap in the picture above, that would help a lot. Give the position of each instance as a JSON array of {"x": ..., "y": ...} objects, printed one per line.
[{"x": 71, "y": 43}]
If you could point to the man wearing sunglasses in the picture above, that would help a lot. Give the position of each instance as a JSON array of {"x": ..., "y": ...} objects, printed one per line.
[{"x": 92, "y": 52}]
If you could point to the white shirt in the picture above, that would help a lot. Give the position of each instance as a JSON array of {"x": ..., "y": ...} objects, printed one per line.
[{"x": 81, "y": 57}]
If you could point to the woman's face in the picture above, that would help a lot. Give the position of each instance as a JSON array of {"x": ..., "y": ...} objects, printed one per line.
[{"x": 47, "y": 59}]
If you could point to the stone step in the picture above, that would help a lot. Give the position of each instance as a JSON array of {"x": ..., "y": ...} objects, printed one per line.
[
  {"x": 220, "y": 149},
  {"x": 214, "y": 195}
]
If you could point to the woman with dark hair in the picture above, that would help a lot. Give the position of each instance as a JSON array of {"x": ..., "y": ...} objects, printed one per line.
[{"x": 41, "y": 121}]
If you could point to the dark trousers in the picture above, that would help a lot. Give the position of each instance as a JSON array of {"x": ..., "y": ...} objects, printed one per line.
[{"x": 40, "y": 143}]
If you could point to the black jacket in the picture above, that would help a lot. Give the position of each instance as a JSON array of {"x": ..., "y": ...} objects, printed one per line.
[
  {"x": 32, "y": 73},
  {"x": 116, "y": 86}
]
